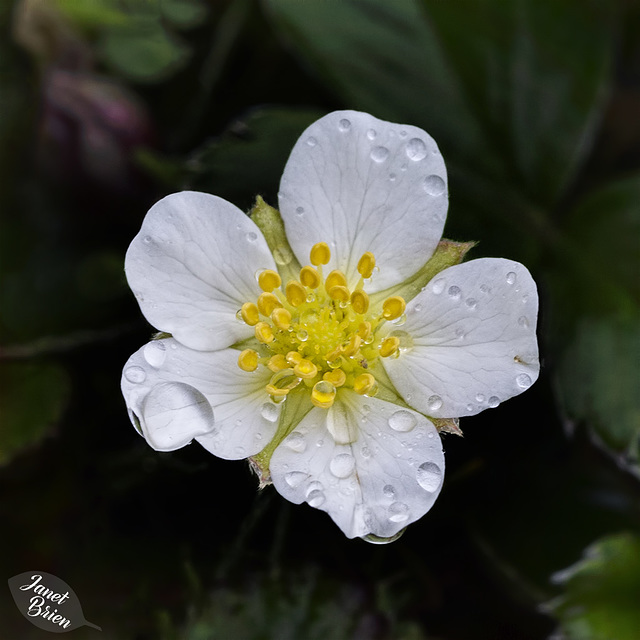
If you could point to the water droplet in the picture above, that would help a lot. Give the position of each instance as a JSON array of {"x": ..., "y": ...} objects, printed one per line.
[
  {"x": 454, "y": 292},
  {"x": 282, "y": 255},
  {"x": 480, "y": 397},
  {"x": 406, "y": 341},
  {"x": 311, "y": 298},
  {"x": 240, "y": 451},
  {"x": 438, "y": 286},
  {"x": 344, "y": 125},
  {"x": 402, "y": 420},
  {"x": 469, "y": 407},
  {"x": 320, "y": 443},
  {"x": 302, "y": 335},
  {"x": 460, "y": 333},
  {"x": 523, "y": 322},
  {"x": 174, "y": 346},
  {"x": 147, "y": 240},
  {"x": 434, "y": 403},
  {"x": 403, "y": 134},
  {"x": 315, "y": 498},
  {"x": 494, "y": 401},
  {"x": 258, "y": 436},
  {"x": 417, "y": 308},
  {"x": 295, "y": 478},
  {"x": 429, "y": 476},
  {"x": 371, "y": 134},
  {"x": 155, "y": 353},
  {"x": 511, "y": 277},
  {"x": 416, "y": 149},
  {"x": 270, "y": 411},
  {"x": 312, "y": 142},
  {"x": 389, "y": 491},
  {"x": 296, "y": 442},
  {"x": 523, "y": 381},
  {"x": 251, "y": 236},
  {"x": 238, "y": 316},
  {"x": 472, "y": 303},
  {"x": 379, "y": 154},
  {"x": 392, "y": 177},
  {"x": 299, "y": 210},
  {"x": 398, "y": 512},
  {"x": 342, "y": 465},
  {"x": 434, "y": 185},
  {"x": 525, "y": 299},
  {"x": 135, "y": 375},
  {"x": 314, "y": 485},
  {"x": 366, "y": 452}
]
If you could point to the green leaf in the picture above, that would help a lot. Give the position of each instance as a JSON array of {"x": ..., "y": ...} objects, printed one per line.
[
  {"x": 32, "y": 397},
  {"x": 249, "y": 157},
  {"x": 602, "y": 592},
  {"x": 183, "y": 13}
]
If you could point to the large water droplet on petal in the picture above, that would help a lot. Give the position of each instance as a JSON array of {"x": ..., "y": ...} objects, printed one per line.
[
  {"x": 312, "y": 142},
  {"x": 316, "y": 498},
  {"x": 494, "y": 401},
  {"x": 270, "y": 411},
  {"x": 438, "y": 286},
  {"x": 136, "y": 375},
  {"x": 371, "y": 134},
  {"x": 344, "y": 125},
  {"x": 282, "y": 255},
  {"x": 416, "y": 149},
  {"x": 342, "y": 465},
  {"x": 454, "y": 292},
  {"x": 379, "y": 154},
  {"x": 389, "y": 491},
  {"x": 295, "y": 478},
  {"x": 434, "y": 403},
  {"x": 429, "y": 476},
  {"x": 523, "y": 381},
  {"x": 296, "y": 442},
  {"x": 511, "y": 277},
  {"x": 155, "y": 353},
  {"x": 398, "y": 512},
  {"x": 402, "y": 420},
  {"x": 434, "y": 185}
]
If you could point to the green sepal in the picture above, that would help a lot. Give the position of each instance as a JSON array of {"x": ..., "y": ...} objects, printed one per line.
[
  {"x": 447, "y": 254},
  {"x": 161, "y": 335},
  {"x": 269, "y": 221}
]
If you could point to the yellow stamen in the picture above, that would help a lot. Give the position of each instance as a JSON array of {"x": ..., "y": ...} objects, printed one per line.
[
  {"x": 268, "y": 280},
  {"x": 389, "y": 346},
  {"x": 320, "y": 254},
  {"x": 264, "y": 333},
  {"x": 393, "y": 307},
  {"x": 282, "y": 382},
  {"x": 366, "y": 264},
  {"x": 339, "y": 293},
  {"x": 337, "y": 377},
  {"x": 305, "y": 369},
  {"x": 250, "y": 314},
  {"x": 275, "y": 392},
  {"x": 295, "y": 293},
  {"x": 365, "y": 383},
  {"x": 293, "y": 357},
  {"x": 267, "y": 302},
  {"x": 310, "y": 277},
  {"x": 248, "y": 360},
  {"x": 353, "y": 346},
  {"x": 277, "y": 363},
  {"x": 335, "y": 279},
  {"x": 364, "y": 330},
  {"x": 360, "y": 301},
  {"x": 323, "y": 394},
  {"x": 281, "y": 318}
]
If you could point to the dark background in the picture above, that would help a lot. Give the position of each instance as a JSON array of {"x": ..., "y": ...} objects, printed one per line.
[{"x": 107, "y": 105}]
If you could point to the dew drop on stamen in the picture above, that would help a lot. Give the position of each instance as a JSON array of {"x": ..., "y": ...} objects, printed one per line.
[
  {"x": 523, "y": 381},
  {"x": 342, "y": 465},
  {"x": 416, "y": 149},
  {"x": 434, "y": 185},
  {"x": 269, "y": 411},
  {"x": 344, "y": 125},
  {"x": 136, "y": 375},
  {"x": 155, "y": 353},
  {"x": 402, "y": 421},
  {"x": 434, "y": 403},
  {"x": 429, "y": 476},
  {"x": 379, "y": 154}
]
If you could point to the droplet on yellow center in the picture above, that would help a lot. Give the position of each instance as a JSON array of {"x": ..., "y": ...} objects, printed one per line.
[
  {"x": 366, "y": 264},
  {"x": 248, "y": 360},
  {"x": 310, "y": 277},
  {"x": 393, "y": 307},
  {"x": 389, "y": 346},
  {"x": 364, "y": 330},
  {"x": 293, "y": 357},
  {"x": 305, "y": 369},
  {"x": 264, "y": 333},
  {"x": 353, "y": 346},
  {"x": 323, "y": 394},
  {"x": 337, "y": 377},
  {"x": 268, "y": 280},
  {"x": 360, "y": 301},
  {"x": 320, "y": 254},
  {"x": 250, "y": 313},
  {"x": 281, "y": 318},
  {"x": 335, "y": 279},
  {"x": 339, "y": 293},
  {"x": 295, "y": 293},
  {"x": 267, "y": 302},
  {"x": 365, "y": 383}
]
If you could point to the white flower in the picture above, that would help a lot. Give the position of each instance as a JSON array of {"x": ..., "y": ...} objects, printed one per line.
[{"x": 336, "y": 371}]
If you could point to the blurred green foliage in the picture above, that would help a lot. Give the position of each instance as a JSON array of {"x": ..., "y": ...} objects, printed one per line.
[{"x": 107, "y": 105}]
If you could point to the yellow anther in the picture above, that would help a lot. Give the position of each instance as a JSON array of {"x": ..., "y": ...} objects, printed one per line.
[
  {"x": 310, "y": 277},
  {"x": 277, "y": 363},
  {"x": 295, "y": 293},
  {"x": 360, "y": 301},
  {"x": 293, "y": 357},
  {"x": 389, "y": 346},
  {"x": 337, "y": 377},
  {"x": 393, "y": 307},
  {"x": 264, "y": 333},
  {"x": 323, "y": 394},
  {"x": 366, "y": 264},
  {"x": 339, "y": 293},
  {"x": 320, "y": 254},
  {"x": 281, "y": 318},
  {"x": 268, "y": 280},
  {"x": 364, "y": 330},
  {"x": 335, "y": 279},
  {"x": 275, "y": 392},
  {"x": 248, "y": 360},
  {"x": 267, "y": 302},
  {"x": 282, "y": 382},
  {"x": 305, "y": 369},
  {"x": 353, "y": 346},
  {"x": 250, "y": 314},
  {"x": 365, "y": 384}
]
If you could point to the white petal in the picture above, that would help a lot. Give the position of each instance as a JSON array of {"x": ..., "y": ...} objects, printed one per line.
[
  {"x": 473, "y": 330},
  {"x": 193, "y": 265},
  {"x": 176, "y": 392},
  {"x": 362, "y": 184},
  {"x": 388, "y": 477}
]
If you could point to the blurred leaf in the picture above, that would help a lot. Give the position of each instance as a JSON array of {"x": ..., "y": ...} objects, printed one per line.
[
  {"x": 183, "y": 13},
  {"x": 32, "y": 398},
  {"x": 248, "y": 158},
  {"x": 92, "y": 13},
  {"x": 602, "y": 592}
]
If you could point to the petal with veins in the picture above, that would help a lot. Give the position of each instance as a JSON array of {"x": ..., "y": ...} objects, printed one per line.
[
  {"x": 177, "y": 394},
  {"x": 388, "y": 476},
  {"x": 193, "y": 265},
  {"x": 362, "y": 184},
  {"x": 471, "y": 337}
]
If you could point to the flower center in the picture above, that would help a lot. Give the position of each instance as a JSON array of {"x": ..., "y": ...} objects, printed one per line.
[{"x": 314, "y": 331}]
